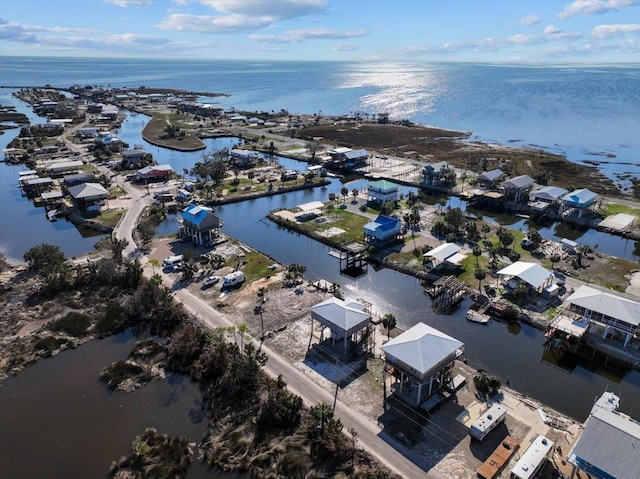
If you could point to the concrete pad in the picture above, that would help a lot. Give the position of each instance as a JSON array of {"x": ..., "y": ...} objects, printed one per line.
[
  {"x": 619, "y": 222},
  {"x": 472, "y": 412}
]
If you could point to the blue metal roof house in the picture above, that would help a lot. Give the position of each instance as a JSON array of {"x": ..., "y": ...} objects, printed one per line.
[
  {"x": 199, "y": 223},
  {"x": 382, "y": 229},
  {"x": 581, "y": 200}
]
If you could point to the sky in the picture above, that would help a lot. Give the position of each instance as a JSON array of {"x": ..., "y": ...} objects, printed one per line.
[{"x": 485, "y": 31}]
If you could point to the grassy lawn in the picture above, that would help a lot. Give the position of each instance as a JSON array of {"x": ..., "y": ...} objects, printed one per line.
[
  {"x": 256, "y": 266},
  {"x": 110, "y": 217},
  {"x": 117, "y": 191},
  {"x": 614, "y": 209},
  {"x": 155, "y": 129},
  {"x": 350, "y": 222}
]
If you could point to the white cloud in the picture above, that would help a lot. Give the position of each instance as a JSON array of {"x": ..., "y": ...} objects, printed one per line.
[
  {"x": 277, "y": 9},
  {"x": 296, "y": 36},
  {"x": 242, "y": 15},
  {"x": 594, "y": 7},
  {"x": 605, "y": 31},
  {"x": 324, "y": 33},
  {"x": 213, "y": 23},
  {"x": 13, "y": 31},
  {"x": 525, "y": 39},
  {"x": 129, "y": 3},
  {"x": 551, "y": 30},
  {"x": 271, "y": 38},
  {"x": 529, "y": 20},
  {"x": 345, "y": 47}
]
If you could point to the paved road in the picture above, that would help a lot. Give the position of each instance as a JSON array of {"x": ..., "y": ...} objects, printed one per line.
[{"x": 371, "y": 438}]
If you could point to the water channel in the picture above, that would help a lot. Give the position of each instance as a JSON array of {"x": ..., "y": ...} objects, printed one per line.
[
  {"x": 58, "y": 419},
  {"x": 32, "y": 404}
]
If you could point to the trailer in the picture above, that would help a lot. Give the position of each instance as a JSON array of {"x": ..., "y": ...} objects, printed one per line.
[
  {"x": 501, "y": 456},
  {"x": 488, "y": 422}
]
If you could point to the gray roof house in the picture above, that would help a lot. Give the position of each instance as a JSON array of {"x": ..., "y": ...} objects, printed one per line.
[
  {"x": 546, "y": 196},
  {"x": 609, "y": 446},
  {"x": 489, "y": 178},
  {"x": 89, "y": 196},
  {"x": 343, "y": 318},
  {"x": 517, "y": 188},
  {"x": 614, "y": 312},
  {"x": 421, "y": 359}
]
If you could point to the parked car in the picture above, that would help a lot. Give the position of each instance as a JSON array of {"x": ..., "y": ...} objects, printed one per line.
[
  {"x": 560, "y": 279},
  {"x": 210, "y": 281}
]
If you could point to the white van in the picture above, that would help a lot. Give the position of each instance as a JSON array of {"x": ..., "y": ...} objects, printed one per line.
[
  {"x": 232, "y": 279},
  {"x": 171, "y": 261},
  {"x": 488, "y": 421}
]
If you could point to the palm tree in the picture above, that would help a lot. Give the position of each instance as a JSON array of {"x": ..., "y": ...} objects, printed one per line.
[
  {"x": 485, "y": 229},
  {"x": 554, "y": 258},
  {"x": 477, "y": 252},
  {"x": 480, "y": 274},
  {"x": 354, "y": 193},
  {"x": 251, "y": 175},
  {"x": 344, "y": 192},
  {"x": 389, "y": 323},
  {"x": 154, "y": 262}
]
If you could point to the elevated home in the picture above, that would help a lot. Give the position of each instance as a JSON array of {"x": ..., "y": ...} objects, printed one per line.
[
  {"x": 381, "y": 191},
  {"x": 438, "y": 174},
  {"x": 489, "y": 179},
  {"x": 131, "y": 157},
  {"x": 532, "y": 274},
  {"x": 579, "y": 200},
  {"x": 545, "y": 197},
  {"x": 348, "y": 158},
  {"x": 243, "y": 158},
  {"x": 347, "y": 321},
  {"x": 108, "y": 141},
  {"x": 517, "y": 189},
  {"x": 617, "y": 314},
  {"x": 90, "y": 197},
  {"x": 200, "y": 224},
  {"x": 420, "y": 361},
  {"x": 154, "y": 173},
  {"x": 608, "y": 445},
  {"x": 255, "y": 121},
  {"x": 77, "y": 178},
  {"x": 447, "y": 254},
  {"x": 56, "y": 168},
  {"x": 382, "y": 229}
]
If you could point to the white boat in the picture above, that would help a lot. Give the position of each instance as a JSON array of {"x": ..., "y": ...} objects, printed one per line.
[{"x": 477, "y": 317}]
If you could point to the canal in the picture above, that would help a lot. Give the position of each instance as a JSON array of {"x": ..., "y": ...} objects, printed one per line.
[{"x": 513, "y": 353}]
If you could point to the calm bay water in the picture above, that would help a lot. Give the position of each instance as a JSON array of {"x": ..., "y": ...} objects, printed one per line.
[{"x": 583, "y": 112}]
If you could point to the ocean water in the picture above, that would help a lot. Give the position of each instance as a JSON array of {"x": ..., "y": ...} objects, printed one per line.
[{"x": 586, "y": 113}]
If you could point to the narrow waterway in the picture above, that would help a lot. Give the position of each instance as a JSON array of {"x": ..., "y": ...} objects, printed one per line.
[
  {"x": 513, "y": 353},
  {"x": 58, "y": 419}
]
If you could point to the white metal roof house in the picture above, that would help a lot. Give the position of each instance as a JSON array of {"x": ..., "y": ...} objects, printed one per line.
[
  {"x": 531, "y": 273},
  {"x": 609, "y": 446},
  {"x": 422, "y": 358},
  {"x": 382, "y": 190},
  {"x": 344, "y": 318},
  {"x": 517, "y": 188},
  {"x": 614, "y": 312},
  {"x": 446, "y": 253}
]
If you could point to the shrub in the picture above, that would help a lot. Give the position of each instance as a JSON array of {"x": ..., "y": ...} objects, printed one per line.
[{"x": 73, "y": 323}]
